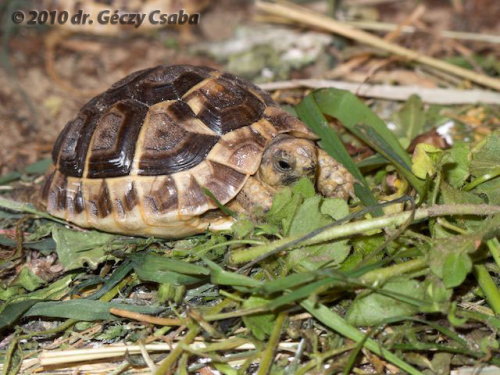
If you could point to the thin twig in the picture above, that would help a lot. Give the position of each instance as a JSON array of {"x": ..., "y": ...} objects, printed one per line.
[
  {"x": 268, "y": 354},
  {"x": 59, "y": 357},
  {"x": 389, "y": 92},
  {"x": 408, "y": 29},
  {"x": 146, "y": 318},
  {"x": 307, "y": 17}
]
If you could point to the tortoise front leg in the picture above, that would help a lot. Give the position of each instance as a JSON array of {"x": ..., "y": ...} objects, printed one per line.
[
  {"x": 333, "y": 179},
  {"x": 253, "y": 194}
]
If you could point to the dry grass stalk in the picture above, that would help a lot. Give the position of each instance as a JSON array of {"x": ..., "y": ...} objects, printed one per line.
[
  {"x": 408, "y": 29},
  {"x": 58, "y": 357},
  {"x": 305, "y": 16},
  {"x": 146, "y": 318},
  {"x": 389, "y": 92}
]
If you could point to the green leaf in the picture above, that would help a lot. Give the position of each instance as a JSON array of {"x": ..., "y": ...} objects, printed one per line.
[
  {"x": 491, "y": 189},
  {"x": 242, "y": 228},
  {"x": 85, "y": 309},
  {"x": 362, "y": 247},
  {"x": 13, "y": 205},
  {"x": 282, "y": 208},
  {"x": 28, "y": 280},
  {"x": 12, "y": 312},
  {"x": 304, "y": 187},
  {"x": 222, "y": 277},
  {"x": 75, "y": 248},
  {"x": 7, "y": 293},
  {"x": 443, "y": 247},
  {"x": 336, "y": 208},
  {"x": 163, "y": 263},
  {"x": 338, "y": 324},
  {"x": 5, "y": 179},
  {"x": 464, "y": 244},
  {"x": 487, "y": 159},
  {"x": 39, "y": 167},
  {"x": 456, "y": 163},
  {"x": 455, "y": 196},
  {"x": 309, "y": 217},
  {"x": 262, "y": 324},
  {"x": 411, "y": 118},
  {"x": 314, "y": 213},
  {"x": 456, "y": 267},
  {"x": 118, "y": 275},
  {"x": 365, "y": 124},
  {"x": 425, "y": 159},
  {"x": 375, "y": 308},
  {"x": 309, "y": 112},
  {"x": 436, "y": 293},
  {"x": 165, "y": 270},
  {"x": 288, "y": 282}
]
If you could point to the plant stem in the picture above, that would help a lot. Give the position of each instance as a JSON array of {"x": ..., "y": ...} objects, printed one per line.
[
  {"x": 319, "y": 359},
  {"x": 382, "y": 274},
  {"x": 494, "y": 246},
  {"x": 358, "y": 227},
  {"x": 331, "y": 319},
  {"x": 167, "y": 365},
  {"x": 481, "y": 179},
  {"x": 445, "y": 348},
  {"x": 13, "y": 344},
  {"x": 268, "y": 354},
  {"x": 488, "y": 287}
]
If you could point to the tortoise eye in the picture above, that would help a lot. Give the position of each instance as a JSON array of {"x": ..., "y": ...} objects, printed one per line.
[{"x": 283, "y": 166}]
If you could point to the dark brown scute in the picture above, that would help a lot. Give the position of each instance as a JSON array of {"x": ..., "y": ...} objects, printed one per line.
[
  {"x": 103, "y": 201},
  {"x": 193, "y": 196},
  {"x": 163, "y": 198},
  {"x": 168, "y": 83},
  {"x": 228, "y": 103},
  {"x": 251, "y": 137},
  {"x": 284, "y": 122},
  {"x": 58, "y": 191},
  {"x": 280, "y": 119},
  {"x": 130, "y": 198},
  {"x": 228, "y": 106},
  {"x": 179, "y": 112},
  {"x": 75, "y": 203},
  {"x": 250, "y": 87},
  {"x": 73, "y": 147},
  {"x": 79, "y": 202},
  {"x": 44, "y": 191},
  {"x": 59, "y": 141},
  {"x": 114, "y": 140},
  {"x": 224, "y": 182},
  {"x": 131, "y": 77},
  {"x": 169, "y": 148}
]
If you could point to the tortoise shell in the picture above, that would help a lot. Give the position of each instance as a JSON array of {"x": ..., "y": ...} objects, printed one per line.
[{"x": 136, "y": 158}]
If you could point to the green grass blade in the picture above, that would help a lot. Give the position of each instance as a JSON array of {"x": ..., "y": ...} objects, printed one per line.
[
  {"x": 364, "y": 123},
  {"x": 165, "y": 270},
  {"x": 340, "y": 325},
  {"x": 13, "y": 311},
  {"x": 309, "y": 112},
  {"x": 85, "y": 309}
]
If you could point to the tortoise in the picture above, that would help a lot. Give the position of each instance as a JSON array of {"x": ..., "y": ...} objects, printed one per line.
[{"x": 136, "y": 158}]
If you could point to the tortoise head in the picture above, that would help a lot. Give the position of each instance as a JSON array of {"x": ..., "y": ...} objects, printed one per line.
[{"x": 287, "y": 159}]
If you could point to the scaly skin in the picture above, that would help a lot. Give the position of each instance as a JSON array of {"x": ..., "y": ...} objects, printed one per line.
[
  {"x": 333, "y": 179},
  {"x": 305, "y": 160}
]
